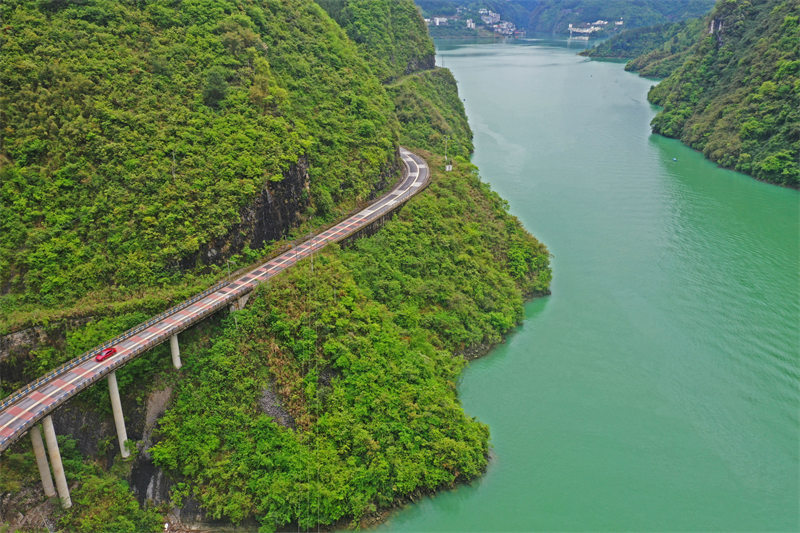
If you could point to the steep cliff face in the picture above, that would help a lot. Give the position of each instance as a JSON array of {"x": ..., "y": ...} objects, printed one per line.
[
  {"x": 737, "y": 96},
  {"x": 431, "y": 114}
]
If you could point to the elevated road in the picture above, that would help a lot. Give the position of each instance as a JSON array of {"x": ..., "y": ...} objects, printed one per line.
[{"x": 24, "y": 408}]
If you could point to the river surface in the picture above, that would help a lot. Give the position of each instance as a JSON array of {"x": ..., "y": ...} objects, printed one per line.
[{"x": 657, "y": 388}]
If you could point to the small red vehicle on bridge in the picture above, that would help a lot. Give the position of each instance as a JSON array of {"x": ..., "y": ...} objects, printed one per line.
[{"x": 105, "y": 354}]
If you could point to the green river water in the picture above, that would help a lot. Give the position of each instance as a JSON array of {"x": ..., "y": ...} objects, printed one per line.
[{"x": 657, "y": 388}]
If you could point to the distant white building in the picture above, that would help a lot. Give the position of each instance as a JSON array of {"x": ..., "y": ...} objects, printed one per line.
[
  {"x": 505, "y": 28},
  {"x": 470, "y": 24},
  {"x": 490, "y": 17},
  {"x": 440, "y": 21},
  {"x": 618, "y": 23}
]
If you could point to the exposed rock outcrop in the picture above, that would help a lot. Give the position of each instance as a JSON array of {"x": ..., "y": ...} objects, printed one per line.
[{"x": 277, "y": 208}]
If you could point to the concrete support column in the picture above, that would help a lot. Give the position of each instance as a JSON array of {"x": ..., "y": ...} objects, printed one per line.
[
  {"x": 41, "y": 462},
  {"x": 176, "y": 351},
  {"x": 242, "y": 301},
  {"x": 55, "y": 460},
  {"x": 116, "y": 408}
]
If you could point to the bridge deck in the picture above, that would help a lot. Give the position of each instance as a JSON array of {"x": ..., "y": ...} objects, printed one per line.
[{"x": 25, "y": 407}]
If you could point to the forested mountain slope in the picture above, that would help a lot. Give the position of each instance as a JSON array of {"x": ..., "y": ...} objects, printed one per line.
[
  {"x": 135, "y": 136},
  {"x": 737, "y": 96}
]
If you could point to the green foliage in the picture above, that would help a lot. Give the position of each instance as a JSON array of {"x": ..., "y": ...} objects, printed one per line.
[
  {"x": 359, "y": 347},
  {"x": 374, "y": 405},
  {"x": 429, "y": 110},
  {"x": 667, "y": 56},
  {"x": 103, "y": 503},
  {"x": 216, "y": 87},
  {"x": 656, "y": 50},
  {"x": 737, "y": 96},
  {"x": 17, "y": 468},
  {"x": 556, "y": 15},
  {"x": 133, "y": 134},
  {"x": 390, "y": 34},
  {"x": 464, "y": 273}
]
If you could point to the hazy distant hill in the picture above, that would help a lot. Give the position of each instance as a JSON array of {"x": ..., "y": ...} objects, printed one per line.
[
  {"x": 516, "y": 11},
  {"x": 655, "y": 51},
  {"x": 556, "y": 15}
]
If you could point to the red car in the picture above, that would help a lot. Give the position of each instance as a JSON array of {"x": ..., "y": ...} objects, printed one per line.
[{"x": 105, "y": 354}]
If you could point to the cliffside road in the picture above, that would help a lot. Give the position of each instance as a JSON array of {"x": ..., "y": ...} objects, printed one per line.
[{"x": 20, "y": 411}]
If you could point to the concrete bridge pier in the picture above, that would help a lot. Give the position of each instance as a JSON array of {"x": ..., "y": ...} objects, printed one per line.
[
  {"x": 116, "y": 408},
  {"x": 41, "y": 462},
  {"x": 176, "y": 351},
  {"x": 55, "y": 460},
  {"x": 240, "y": 302}
]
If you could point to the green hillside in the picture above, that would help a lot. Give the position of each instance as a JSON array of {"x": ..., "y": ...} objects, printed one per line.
[
  {"x": 665, "y": 57},
  {"x": 390, "y": 33},
  {"x": 134, "y": 134},
  {"x": 654, "y": 51},
  {"x": 362, "y": 348},
  {"x": 737, "y": 96},
  {"x": 431, "y": 114}
]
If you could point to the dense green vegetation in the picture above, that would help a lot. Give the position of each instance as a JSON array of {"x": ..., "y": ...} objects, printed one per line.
[
  {"x": 360, "y": 348},
  {"x": 431, "y": 114},
  {"x": 737, "y": 96},
  {"x": 654, "y": 51},
  {"x": 375, "y": 411},
  {"x": 103, "y": 503},
  {"x": 556, "y": 15},
  {"x": 663, "y": 59},
  {"x": 133, "y": 133},
  {"x": 390, "y": 33}
]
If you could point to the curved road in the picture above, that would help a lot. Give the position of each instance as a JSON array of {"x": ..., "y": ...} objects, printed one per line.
[{"x": 28, "y": 405}]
